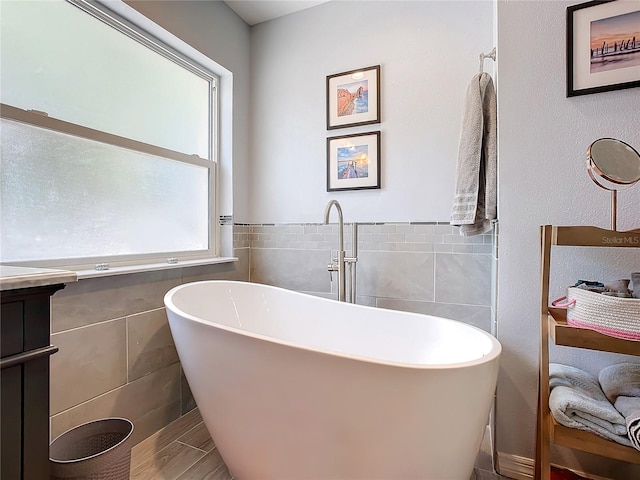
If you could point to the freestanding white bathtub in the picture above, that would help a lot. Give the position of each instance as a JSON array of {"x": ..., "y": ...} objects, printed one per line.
[{"x": 297, "y": 387}]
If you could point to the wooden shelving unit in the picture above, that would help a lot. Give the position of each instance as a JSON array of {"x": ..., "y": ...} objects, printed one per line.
[
  {"x": 563, "y": 334},
  {"x": 553, "y": 325}
]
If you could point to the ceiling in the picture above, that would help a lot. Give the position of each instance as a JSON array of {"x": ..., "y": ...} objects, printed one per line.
[{"x": 257, "y": 11}]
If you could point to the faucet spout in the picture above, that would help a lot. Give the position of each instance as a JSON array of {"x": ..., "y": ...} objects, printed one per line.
[
  {"x": 327, "y": 212},
  {"x": 339, "y": 266}
]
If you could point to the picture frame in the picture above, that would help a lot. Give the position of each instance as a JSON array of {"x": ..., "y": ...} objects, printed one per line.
[
  {"x": 603, "y": 47},
  {"x": 353, "y": 162},
  {"x": 353, "y": 98}
]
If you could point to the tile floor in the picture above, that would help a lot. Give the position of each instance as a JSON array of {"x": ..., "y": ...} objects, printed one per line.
[{"x": 184, "y": 451}]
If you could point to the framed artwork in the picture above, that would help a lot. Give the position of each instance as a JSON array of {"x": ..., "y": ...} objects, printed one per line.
[
  {"x": 603, "y": 46},
  {"x": 353, "y": 98},
  {"x": 353, "y": 162}
]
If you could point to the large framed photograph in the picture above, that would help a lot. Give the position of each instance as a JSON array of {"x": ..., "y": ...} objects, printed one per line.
[
  {"x": 353, "y": 162},
  {"x": 353, "y": 98},
  {"x": 603, "y": 46}
]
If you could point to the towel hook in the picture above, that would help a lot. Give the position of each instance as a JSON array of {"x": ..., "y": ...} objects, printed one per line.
[{"x": 491, "y": 55}]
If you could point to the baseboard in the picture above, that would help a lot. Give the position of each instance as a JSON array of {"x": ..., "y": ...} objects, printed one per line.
[
  {"x": 514, "y": 466},
  {"x": 523, "y": 468}
]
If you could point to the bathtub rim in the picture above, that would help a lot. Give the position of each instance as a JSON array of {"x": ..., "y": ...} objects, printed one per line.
[{"x": 492, "y": 355}]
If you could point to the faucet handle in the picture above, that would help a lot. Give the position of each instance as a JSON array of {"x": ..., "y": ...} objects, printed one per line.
[{"x": 331, "y": 268}]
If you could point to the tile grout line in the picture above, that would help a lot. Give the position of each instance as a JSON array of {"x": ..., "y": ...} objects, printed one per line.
[
  {"x": 126, "y": 344},
  {"x": 139, "y": 464},
  {"x": 158, "y": 434},
  {"x": 200, "y": 449},
  {"x": 108, "y": 391},
  {"x": 101, "y": 322},
  {"x": 156, "y": 454},
  {"x": 182, "y": 434},
  {"x": 186, "y": 469}
]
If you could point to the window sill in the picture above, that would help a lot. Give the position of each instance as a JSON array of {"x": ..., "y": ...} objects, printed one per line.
[{"x": 150, "y": 267}]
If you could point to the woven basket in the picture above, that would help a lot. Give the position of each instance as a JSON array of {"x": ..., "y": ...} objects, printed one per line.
[
  {"x": 98, "y": 450},
  {"x": 613, "y": 316}
]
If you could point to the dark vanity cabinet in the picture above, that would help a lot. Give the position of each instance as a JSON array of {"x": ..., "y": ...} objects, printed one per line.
[{"x": 25, "y": 349}]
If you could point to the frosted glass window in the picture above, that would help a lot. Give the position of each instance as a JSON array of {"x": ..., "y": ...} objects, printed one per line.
[
  {"x": 68, "y": 197},
  {"x": 122, "y": 165},
  {"x": 58, "y": 59}
]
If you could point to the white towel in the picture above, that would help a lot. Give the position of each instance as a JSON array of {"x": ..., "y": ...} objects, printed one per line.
[
  {"x": 475, "y": 202},
  {"x": 576, "y": 401},
  {"x": 621, "y": 384}
]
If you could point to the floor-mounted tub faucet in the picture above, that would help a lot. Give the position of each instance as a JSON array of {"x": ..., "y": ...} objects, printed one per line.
[{"x": 338, "y": 264}]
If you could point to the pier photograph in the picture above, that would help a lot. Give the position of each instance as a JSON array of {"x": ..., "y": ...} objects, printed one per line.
[
  {"x": 603, "y": 47},
  {"x": 353, "y": 162},
  {"x": 615, "y": 42}
]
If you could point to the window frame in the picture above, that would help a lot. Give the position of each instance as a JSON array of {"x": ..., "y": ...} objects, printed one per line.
[{"x": 114, "y": 264}]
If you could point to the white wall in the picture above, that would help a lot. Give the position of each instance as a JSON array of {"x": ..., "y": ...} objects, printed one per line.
[
  {"x": 543, "y": 137},
  {"x": 428, "y": 52}
]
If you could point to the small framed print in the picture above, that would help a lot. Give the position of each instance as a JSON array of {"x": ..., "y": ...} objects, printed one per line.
[
  {"x": 353, "y": 162},
  {"x": 603, "y": 46},
  {"x": 353, "y": 98}
]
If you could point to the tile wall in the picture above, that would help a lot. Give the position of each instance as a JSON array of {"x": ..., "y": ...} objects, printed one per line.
[
  {"x": 419, "y": 267},
  {"x": 116, "y": 355}
]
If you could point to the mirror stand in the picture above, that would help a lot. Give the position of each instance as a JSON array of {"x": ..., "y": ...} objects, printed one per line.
[
  {"x": 614, "y": 210},
  {"x": 613, "y": 165}
]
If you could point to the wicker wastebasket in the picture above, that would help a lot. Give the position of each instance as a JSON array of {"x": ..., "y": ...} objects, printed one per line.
[{"x": 98, "y": 450}]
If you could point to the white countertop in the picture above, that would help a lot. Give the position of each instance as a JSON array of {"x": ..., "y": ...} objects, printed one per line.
[{"x": 12, "y": 277}]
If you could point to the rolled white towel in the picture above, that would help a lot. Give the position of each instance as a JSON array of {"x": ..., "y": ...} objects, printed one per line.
[
  {"x": 577, "y": 401},
  {"x": 621, "y": 384},
  {"x": 629, "y": 407},
  {"x": 620, "y": 379}
]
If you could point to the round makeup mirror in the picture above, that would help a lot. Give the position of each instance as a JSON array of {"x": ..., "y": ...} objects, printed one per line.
[{"x": 613, "y": 165}]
